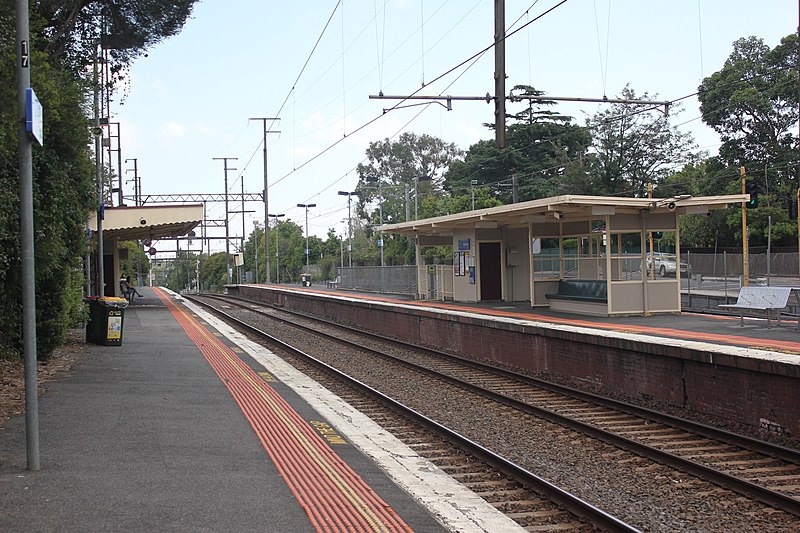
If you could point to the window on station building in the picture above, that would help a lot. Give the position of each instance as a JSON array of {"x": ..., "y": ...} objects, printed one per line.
[
  {"x": 546, "y": 259},
  {"x": 569, "y": 255},
  {"x": 591, "y": 251},
  {"x": 661, "y": 261},
  {"x": 626, "y": 256}
]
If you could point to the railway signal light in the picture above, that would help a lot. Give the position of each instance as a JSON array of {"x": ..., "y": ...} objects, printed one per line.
[
  {"x": 151, "y": 251},
  {"x": 148, "y": 243},
  {"x": 751, "y": 188}
]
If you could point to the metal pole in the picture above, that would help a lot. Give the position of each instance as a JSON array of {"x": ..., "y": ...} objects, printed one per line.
[
  {"x": 101, "y": 282},
  {"x": 306, "y": 206},
  {"x": 243, "y": 225},
  {"x": 472, "y": 184},
  {"x": 227, "y": 231},
  {"x": 769, "y": 247},
  {"x": 277, "y": 248},
  {"x": 405, "y": 191},
  {"x": 255, "y": 246},
  {"x": 27, "y": 242},
  {"x": 725, "y": 272},
  {"x": 380, "y": 210},
  {"x": 745, "y": 260},
  {"x": 308, "y": 262},
  {"x": 500, "y": 73},
  {"x": 135, "y": 180},
  {"x": 266, "y": 193},
  {"x": 416, "y": 195},
  {"x": 266, "y": 207},
  {"x": 349, "y": 235},
  {"x": 206, "y": 241},
  {"x": 119, "y": 159}
]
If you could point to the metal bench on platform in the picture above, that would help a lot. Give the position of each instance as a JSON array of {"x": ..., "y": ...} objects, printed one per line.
[{"x": 761, "y": 299}]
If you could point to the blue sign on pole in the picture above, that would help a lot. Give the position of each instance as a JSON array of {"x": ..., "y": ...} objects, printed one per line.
[{"x": 33, "y": 117}]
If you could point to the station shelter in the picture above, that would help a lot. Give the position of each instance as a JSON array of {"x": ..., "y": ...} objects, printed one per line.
[
  {"x": 135, "y": 223},
  {"x": 592, "y": 255}
]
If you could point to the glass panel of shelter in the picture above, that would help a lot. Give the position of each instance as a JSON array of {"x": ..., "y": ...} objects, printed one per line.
[{"x": 626, "y": 256}]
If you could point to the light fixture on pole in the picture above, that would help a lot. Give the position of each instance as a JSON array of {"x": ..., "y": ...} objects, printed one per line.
[
  {"x": 306, "y": 207},
  {"x": 349, "y": 226},
  {"x": 373, "y": 179},
  {"x": 417, "y": 179},
  {"x": 277, "y": 249}
]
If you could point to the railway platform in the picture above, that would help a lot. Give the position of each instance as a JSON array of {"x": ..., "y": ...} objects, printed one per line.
[{"x": 189, "y": 426}]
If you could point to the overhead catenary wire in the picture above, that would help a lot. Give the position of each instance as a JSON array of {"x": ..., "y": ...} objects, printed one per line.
[
  {"x": 449, "y": 71},
  {"x": 610, "y": 119},
  {"x": 603, "y": 66},
  {"x": 344, "y": 82},
  {"x": 422, "y": 37}
]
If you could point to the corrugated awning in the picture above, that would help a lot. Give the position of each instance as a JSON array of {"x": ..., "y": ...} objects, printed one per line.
[{"x": 148, "y": 222}]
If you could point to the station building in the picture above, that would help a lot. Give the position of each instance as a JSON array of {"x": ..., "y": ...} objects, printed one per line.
[{"x": 594, "y": 255}]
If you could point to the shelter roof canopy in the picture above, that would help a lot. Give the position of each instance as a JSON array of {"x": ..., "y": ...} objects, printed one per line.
[
  {"x": 567, "y": 207},
  {"x": 148, "y": 222}
]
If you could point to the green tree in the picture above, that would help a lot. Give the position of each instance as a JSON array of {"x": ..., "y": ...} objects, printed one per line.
[
  {"x": 62, "y": 195},
  {"x": 633, "y": 145},
  {"x": 291, "y": 245},
  {"x": 137, "y": 262},
  {"x": 545, "y": 153},
  {"x": 752, "y": 102},
  {"x": 182, "y": 275},
  {"x": 708, "y": 177},
  {"x": 126, "y": 29},
  {"x": 397, "y": 166},
  {"x": 212, "y": 272},
  {"x": 254, "y": 250}
]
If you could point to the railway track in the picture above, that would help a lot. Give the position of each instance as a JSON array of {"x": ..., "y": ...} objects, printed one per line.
[
  {"x": 528, "y": 499},
  {"x": 758, "y": 470}
]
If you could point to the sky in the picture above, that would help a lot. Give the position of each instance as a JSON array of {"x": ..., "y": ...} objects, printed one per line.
[{"x": 190, "y": 99}]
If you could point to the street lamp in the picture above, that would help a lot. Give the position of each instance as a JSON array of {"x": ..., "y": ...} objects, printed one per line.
[
  {"x": 306, "y": 206},
  {"x": 255, "y": 244},
  {"x": 349, "y": 226},
  {"x": 373, "y": 179},
  {"x": 417, "y": 179},
  {"x": 277, "y": 249}
]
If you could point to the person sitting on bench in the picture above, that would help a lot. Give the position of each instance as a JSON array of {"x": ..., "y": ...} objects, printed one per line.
[{"x": 132, "y": 290}]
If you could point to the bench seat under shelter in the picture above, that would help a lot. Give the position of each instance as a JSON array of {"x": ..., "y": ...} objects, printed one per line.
[{"x": 586, "y": 296}]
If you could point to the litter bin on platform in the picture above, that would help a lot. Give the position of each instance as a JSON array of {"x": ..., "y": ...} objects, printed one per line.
[
  {"x": 106, "y": 317},
  {"x": 305, "y": 280}
]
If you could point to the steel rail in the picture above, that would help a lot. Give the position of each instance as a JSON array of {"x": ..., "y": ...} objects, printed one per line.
[
  {"x": 563, "y": 498},
  {"x": 723, "y": 479}
]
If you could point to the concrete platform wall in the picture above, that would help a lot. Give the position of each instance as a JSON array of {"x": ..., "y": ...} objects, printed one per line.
[{"x": 758, "y": 392}]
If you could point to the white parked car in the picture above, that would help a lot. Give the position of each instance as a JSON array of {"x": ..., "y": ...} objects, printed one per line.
[{"x": 665, "y": 264}]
